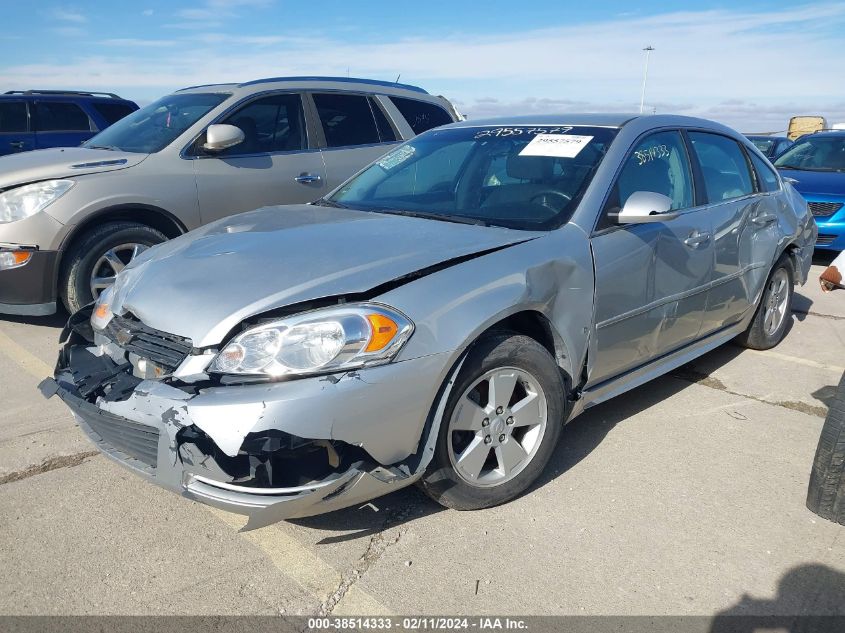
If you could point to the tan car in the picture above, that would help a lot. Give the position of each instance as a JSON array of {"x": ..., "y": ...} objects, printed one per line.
[{"x": 72, "y": 218}]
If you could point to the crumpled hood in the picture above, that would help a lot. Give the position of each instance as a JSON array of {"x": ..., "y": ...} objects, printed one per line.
[
  {"x": 61, "y": 162},
  {"x": 204, "y": 283},
  {"x": 816, "y": 182}
]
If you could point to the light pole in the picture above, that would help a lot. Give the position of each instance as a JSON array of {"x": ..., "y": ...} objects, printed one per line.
[{"x": 647, "y": 50}]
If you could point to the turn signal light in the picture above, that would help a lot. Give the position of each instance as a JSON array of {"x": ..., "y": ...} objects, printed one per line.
[
  {"x": 384, "y": 329},
  {"x": 13, "y": 259}
]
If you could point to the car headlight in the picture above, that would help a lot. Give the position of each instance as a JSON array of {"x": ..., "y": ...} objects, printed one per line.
[
  {"x": 329, "y": 339},
  {"x": 102, "y": 313},
  {"x": 22, "y": 202}
]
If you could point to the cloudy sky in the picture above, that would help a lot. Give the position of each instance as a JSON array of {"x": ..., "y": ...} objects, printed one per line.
[{"x": 749, "y": 64}]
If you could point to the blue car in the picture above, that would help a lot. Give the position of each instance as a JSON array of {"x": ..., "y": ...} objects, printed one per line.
[
  {"x": 770, "y": 146},
  {"x": 37, "y": 119},
  {"x": 816, "y": 167}
]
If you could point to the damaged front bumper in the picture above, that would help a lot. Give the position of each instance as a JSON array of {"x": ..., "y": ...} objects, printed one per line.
[{"x": 269, "y": 451}]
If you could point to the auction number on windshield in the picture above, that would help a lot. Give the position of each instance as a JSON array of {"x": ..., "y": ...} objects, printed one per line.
[{"x": 505, "y": 132}]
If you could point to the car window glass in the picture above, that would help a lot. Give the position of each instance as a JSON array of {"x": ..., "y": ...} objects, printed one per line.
[
  {"x": 433, "y": 173},
  {"x": 765, "y": 145},
  {"x": 815, "y": 153},
  {"x": 60, "y": 116},
  {"x": 518, "y": 177},
  {"x": 385, "y": 130},
  {"x": 157, "y": 125},
  {"x": 421, "y": 116},
  {"x": 347, "y": 120},
  {"x": 271, "y": 124},
  {"x": 658, "y": 164},
  {"x": 13, "y": 117},
  {"x": 723, "y": 166},
  {"x": 766, "y": 177},
  {"x": 113, "y": 112}
]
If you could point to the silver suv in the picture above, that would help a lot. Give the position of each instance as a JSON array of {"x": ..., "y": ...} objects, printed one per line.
[{"x": 72, "y": 218}]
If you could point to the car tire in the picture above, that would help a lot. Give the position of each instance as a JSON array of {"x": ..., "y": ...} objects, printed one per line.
[
  {"x": 507, "y": 363},
  {"x": 826, "y": 492},
  {"x": 775, "y": 307},
  {"x": 89, "y": 251}
]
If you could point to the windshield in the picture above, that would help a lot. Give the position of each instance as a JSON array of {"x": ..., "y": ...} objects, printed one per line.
[
  {"x": 763, "y": 144},
  {"x": 818, "y": 153},
  {"x": 519, "y": 177},
  {"x": 155, "y": 126}
]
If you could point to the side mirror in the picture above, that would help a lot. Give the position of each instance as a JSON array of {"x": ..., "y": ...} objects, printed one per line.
[
  {"x": 221, "y": 136},
  {"x": 646, "y": 206}
]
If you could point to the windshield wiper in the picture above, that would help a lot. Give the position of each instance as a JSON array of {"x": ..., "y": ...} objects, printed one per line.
[
  {"x": 111, "y": 148},
  {"x": 457, "y": 219},
  {"x": 323, "y": 202}
]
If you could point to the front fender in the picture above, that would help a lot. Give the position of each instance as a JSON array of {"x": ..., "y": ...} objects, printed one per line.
[{"x": 552, "y": 275}]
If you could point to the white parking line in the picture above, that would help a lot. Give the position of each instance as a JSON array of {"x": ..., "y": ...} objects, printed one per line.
[
  {"x": 799, "y": 361},
  {"x": 358, "y": 602},
  {"x": 298, "y": 562},
  {"x": 303, "y": 566},
  {"x": 23, "y": 358}
]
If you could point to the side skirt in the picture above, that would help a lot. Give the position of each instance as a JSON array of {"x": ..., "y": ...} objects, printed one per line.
[{"x": 603, "y": 391}]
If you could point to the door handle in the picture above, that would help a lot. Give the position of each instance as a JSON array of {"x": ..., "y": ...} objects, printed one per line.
[
  {"x": 307, "y": 179},
  {"x": 697, "y": 238},
  {"x": 764, "y": 218},
  {"x": 16, "y": 144}
]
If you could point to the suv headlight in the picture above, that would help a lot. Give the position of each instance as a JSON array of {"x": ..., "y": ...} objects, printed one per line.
[
  {"x": 22, "y": 202},
  {"x": 329, "y": 339}
]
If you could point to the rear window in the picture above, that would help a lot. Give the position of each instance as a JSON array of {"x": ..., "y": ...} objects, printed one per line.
[
  {"x": 13, "y": 117},
  {"x": 113, "y": 112},
  {"x": 723, "y": 165},
  {"x": 421, "y": 116},
  {"x": 58, "y": 116},
  {"x": 767, "y": 180},
  {"x": 347, "y": 120}
]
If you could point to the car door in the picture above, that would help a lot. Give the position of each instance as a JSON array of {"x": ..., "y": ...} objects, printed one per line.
[
  {"x": 651, "y": 279},
  {"x": 61, "y": 124},
  {"x": 15, "y": 133},
  {"x": 275, "y": 163},
  {"x": 354, "y": 133},
  {"x": 744, "y": 224}
]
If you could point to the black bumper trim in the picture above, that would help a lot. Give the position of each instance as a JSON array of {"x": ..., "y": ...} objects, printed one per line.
[
  {"x": 111, "y": 433},
  {"x": 31, "y": 288}
]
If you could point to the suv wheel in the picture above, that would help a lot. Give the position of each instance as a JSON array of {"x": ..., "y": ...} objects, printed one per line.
[
  {"x": 98, "y": 255},
  {"x": 500, "y": 425}
]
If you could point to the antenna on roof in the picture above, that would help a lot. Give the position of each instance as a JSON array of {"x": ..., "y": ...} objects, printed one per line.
[{"x": 397, "y": 78}]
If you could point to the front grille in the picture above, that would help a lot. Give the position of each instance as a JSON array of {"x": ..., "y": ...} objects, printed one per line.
[
  {"x": 825, "y": 240},
  {"x": 166, "y": 350},
  {"x": 822, "y": 209},
  {"x": 136, "y": 440}
]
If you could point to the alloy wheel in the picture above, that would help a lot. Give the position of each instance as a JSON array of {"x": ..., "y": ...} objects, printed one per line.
[
  {"x": 777, "y": 297},
  {"x": 497, "y": 426},
  {"x": 112, "y": 262}
]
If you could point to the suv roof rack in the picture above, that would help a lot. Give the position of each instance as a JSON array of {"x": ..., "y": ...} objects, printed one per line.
[
  {"x": 352, "y": 80},
  {"x": 79, "y": 93}
]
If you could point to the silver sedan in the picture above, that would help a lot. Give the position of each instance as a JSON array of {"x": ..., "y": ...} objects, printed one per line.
[{"x": 438, "y": 317}]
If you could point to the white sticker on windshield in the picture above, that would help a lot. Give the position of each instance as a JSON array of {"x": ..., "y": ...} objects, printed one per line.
[
  {"x": 396, "y": 157},
  {"x": 557, "y": 145}
]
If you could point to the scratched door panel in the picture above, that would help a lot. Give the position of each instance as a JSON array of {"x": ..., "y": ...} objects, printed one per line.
[{"x": 651, "y": 291}]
